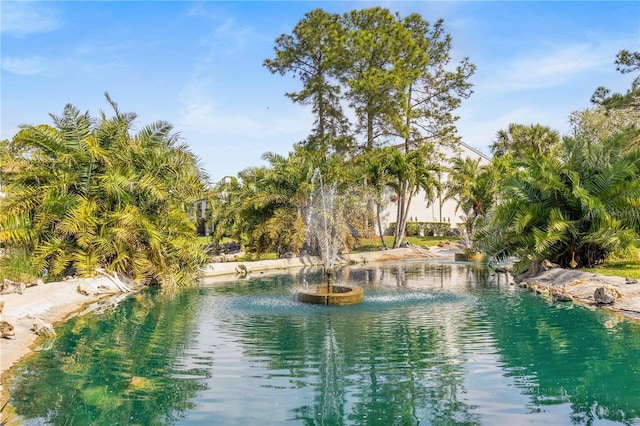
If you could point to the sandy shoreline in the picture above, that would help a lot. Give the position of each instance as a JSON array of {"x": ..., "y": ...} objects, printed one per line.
[
  {"x": 56, "y": 302},
  {"x": 52, "y": 302}
]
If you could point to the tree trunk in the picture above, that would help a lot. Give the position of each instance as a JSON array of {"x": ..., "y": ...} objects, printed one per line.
[
  {"x": 408, "y": 119},
  {"x": 401, "y": 214},
  {"x": 384, "y": 245},
  {"x": 396, "y": 232},
  {"x": 370, "y": 116},
  {"x": 404, "y": 202},
  {"x": 321, "y": 118}
]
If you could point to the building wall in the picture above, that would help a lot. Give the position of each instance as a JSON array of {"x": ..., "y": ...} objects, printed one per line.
[{"x": 422, "y": 210}]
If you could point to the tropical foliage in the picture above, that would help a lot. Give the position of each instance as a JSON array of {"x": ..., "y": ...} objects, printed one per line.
[
  {"x": 268, "y": 208},
  {"x": 373, "y": 79},
  {"x": 473, "y": 186},
  {"x": 87, "y": 193},
  {"x": 574, "y": 209},
  {"x": 409, "y": 173}
]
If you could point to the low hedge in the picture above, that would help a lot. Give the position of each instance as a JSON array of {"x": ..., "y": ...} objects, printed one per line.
[{"x": 423, "y": 228}]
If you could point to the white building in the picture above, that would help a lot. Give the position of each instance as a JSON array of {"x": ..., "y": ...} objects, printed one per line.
[{"x": 437, "y": 210}]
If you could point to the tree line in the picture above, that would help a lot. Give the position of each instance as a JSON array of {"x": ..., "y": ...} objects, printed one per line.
[
  {"x": 375, "y": 81},
  {"x": 572, "y": 199}
]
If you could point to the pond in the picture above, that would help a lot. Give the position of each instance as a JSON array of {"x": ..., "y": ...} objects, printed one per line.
[{"x": 432, "y": 343}]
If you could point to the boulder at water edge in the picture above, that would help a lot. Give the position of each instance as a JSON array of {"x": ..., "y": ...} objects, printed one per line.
[{"x": 606, "y": 295}]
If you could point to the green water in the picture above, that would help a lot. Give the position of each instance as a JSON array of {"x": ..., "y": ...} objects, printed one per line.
[{"x": 431, "y": 344}]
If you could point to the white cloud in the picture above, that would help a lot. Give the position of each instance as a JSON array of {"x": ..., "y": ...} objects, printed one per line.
[
  {"x": 552, "y": 67},
  {"x": 227, "y": 35},
  {"x": 24, "y": 66},
  {"x": 20, "y": 18}
]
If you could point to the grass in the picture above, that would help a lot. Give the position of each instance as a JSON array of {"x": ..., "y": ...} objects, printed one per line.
[
  {"x": 251, "y": 257},
  {"x": 16, "y": 266},
  {"x": 374, "y": 244},
  {"x": 620, "y": 268},
  {"x": 363, "y": 245},
  {"x": 629, "y": 268}
]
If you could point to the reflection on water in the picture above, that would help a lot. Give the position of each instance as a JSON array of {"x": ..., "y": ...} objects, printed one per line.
[{"x": 431, "y": 344}]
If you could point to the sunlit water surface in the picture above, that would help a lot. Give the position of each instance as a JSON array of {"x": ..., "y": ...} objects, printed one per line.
[{"x": 431, "y": 344}]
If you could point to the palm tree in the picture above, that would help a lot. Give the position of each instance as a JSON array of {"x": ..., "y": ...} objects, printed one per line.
[
  {"x": 473, "y": 186},
  {"x": 87, "y": 194},
  {"x": 374, "y": 167},
  {"x": 520, "y": 140},
  {"x": 411, "y": 172},
  {"x": 266, "y": 208},
  {"x": 575, "y": 209}
]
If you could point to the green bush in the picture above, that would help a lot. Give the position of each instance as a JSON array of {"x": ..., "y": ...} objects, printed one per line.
[
  {"x": 423, "y": 228},
  {"x": 16, "y": 265}
]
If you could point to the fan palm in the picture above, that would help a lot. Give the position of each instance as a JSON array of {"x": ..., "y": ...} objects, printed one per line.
[{"x": 520, "y": 141}]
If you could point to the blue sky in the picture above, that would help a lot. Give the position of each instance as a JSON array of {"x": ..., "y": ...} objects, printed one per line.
[{"x": 199, "y": 65}]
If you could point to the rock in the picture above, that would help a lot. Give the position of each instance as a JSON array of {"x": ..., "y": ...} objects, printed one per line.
[
  {"x": 561, "y": 296},
  {"x": 532, "y": 272},
  {"x": 9, "y": 286},
  {"x": 42, "y": 328},
  {"x": 6, "y": 330},
  {"x": 82, "y": 289},
  {"x": 547, "y": 264},
  {"x": 1, "y": 305},
  {"x": 541, "y": 290},
  {"x": 32, "y": 283},
  {"x": 631, "y": 281},
  {"x": 606, "y": 295}
]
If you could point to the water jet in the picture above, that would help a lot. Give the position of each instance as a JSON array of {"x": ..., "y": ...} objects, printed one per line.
[{"x": 326, "y": 225}]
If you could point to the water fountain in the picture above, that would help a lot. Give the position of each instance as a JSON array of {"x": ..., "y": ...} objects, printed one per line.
[{"x": 326, "y": 224}]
